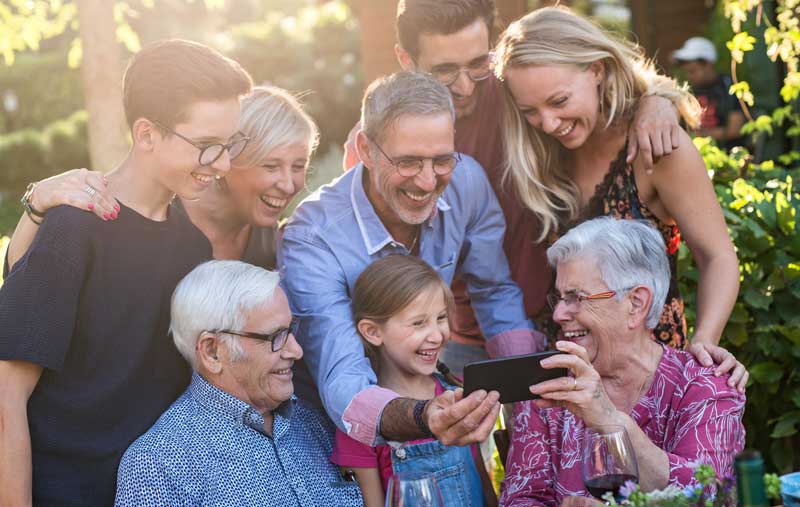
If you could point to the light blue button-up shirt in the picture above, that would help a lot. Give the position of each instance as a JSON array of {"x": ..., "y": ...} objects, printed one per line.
[
  {"x": 335, "y": 234},
  {"x": 210, "y": 448}
]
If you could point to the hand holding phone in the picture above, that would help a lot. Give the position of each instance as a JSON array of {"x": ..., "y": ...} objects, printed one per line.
[{"x": 510, "y": 376}]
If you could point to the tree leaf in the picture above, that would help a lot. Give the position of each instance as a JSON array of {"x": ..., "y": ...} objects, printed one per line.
[
  {"x": 767, "y": 372},
  {"x": 786, "y": 425}
]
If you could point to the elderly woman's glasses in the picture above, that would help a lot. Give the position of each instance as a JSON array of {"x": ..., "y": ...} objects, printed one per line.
[
  {"x": 574, "y": 299},
  {"x": 210, "y": 153},
  {"x": 277, "y": 338},
  {"x": 477, "y": 70},
  {"x": 408, "y": 167}
]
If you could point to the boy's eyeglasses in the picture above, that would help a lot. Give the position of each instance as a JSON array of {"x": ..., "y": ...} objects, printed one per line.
[{"x": 210, "y": 153}]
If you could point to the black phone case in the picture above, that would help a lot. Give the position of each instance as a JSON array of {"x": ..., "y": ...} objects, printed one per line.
[{"x": 510, "y": 376}]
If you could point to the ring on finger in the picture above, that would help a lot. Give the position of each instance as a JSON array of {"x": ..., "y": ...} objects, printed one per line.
[
  {"x": 574, "y": 384},
  {"x": 90, "y": 190}
]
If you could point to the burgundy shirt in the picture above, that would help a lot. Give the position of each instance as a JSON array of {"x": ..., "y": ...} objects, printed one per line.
[
  {"x": 480, "y": 136},
  {"x": 689, "y": 413}
]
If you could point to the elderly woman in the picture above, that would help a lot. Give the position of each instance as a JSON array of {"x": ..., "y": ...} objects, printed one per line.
[
  {"x": 238, "y": 213},
  {"x": 571, "y": 92},
  {"x": 237, "y": 435},
  {"x": 612, "y": 277}
]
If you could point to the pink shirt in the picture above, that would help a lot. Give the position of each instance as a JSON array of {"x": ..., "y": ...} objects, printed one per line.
[{"x": 692, "y": 415}]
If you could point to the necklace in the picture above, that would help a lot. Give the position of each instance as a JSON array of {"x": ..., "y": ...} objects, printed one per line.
[{"x": 416, "y": 238}]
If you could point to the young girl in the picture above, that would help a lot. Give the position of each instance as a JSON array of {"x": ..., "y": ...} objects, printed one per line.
[{"x": 401, "y": 308}]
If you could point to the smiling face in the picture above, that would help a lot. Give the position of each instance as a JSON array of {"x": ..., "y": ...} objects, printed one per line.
[
  {"x": 413, "y": 338},
  {"x": 595, "y": 325},
  {"x": 398, "y": 198},
  {"x": 261, "y": 192},
  {"x": 262, "y": 378},
  {"x": 562, "y": 101},
  {"x": 178, "y": 166},
  {"x": 465, "y": 48}
]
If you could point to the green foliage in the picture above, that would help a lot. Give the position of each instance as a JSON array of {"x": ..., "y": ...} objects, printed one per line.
[
  {"x": 46, "y": 88},
  {"x": 30, "y": 155},
  {"x": 761, "y": 203},
  {"x": 316, "y": 49}
]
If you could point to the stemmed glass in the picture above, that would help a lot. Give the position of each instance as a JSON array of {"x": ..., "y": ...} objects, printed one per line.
[
  {"x": 417, "y": 489},
  {"x": 608, "y": 461}
]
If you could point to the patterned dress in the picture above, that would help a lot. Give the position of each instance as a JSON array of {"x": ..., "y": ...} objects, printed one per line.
[
  {"x": 687, "y": 412},
  {"x": 618, "y": 196}
]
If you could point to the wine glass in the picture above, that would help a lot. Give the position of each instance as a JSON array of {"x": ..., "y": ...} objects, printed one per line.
[
  {"x": 413, "y": 489},
  {"x": 608, "y": 461}
]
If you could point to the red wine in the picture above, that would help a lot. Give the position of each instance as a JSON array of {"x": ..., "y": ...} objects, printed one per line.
[{"x": 602, "y": 484}]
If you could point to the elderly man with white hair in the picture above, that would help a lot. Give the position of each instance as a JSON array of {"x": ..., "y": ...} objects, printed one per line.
[
  {"x": 237, "y": 435},
  {"x": 612, "y": 278}
]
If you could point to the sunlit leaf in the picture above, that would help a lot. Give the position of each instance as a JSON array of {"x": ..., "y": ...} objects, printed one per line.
[{"x": 75, "y": 54}]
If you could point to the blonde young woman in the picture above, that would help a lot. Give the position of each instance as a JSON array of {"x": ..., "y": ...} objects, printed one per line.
[
  {"x": 571, "y": 90},
  {"x": 239, "y": 212}
]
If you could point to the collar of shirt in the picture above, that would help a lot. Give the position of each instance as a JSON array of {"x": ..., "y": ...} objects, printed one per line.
[
  {"x": 237, "y": 411},
  {"x": 373, "y": 232}
]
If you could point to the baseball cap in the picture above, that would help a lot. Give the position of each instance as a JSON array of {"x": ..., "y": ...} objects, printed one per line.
[{"x": 696, "y": 48}]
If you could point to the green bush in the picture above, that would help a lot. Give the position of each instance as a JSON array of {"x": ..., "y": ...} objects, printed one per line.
[
  {"x": 761, "y": 205},
  {"x": 30, "y": 155},
  {"x": 315, "y": 48},
  {"x": 46, "y": 88}
]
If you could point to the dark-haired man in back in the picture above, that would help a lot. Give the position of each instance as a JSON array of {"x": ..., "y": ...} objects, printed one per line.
[
  {"x": 451, "y": 39},
  {"x": 85, "y": 362}
]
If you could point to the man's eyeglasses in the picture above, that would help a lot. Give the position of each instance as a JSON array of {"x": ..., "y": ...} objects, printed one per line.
[
  {"x": 209, "y": 153},
  {"x": 477, "y": 70},
  {"x": 408, "y": 167},
  {"x": 278, "y": 338},
  {"x": 574, "y": 299}
]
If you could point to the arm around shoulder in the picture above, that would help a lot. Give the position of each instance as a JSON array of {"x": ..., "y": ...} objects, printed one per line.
[{"x": 17, "y": 382}]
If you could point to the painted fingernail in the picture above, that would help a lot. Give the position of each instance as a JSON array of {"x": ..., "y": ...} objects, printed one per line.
[
  {"x": 116, "y": 207},
  {"x": 91, "y": 206},
  {"x": 105, "y": 216}
]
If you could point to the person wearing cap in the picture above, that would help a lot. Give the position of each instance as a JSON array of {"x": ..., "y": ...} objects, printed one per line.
[{"x": 722, "y": 117}]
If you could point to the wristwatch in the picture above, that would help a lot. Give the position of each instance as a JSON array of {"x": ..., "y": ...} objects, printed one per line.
[{"x": 26, "y": 203}]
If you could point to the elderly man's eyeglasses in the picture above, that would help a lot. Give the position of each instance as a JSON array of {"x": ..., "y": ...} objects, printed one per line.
[
  {"x": 477, "y": 70},
  {"x": 574, "y": 299},
  {"x": 210, "y": 153},
  {"x": 278, "y": 338},
  {"x": 408, "y": 167}
]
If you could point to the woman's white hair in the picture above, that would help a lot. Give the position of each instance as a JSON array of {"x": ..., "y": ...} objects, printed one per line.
[
  {"x": 217, "y": 295},
  {"x": 629, "y": 253},
  {"x": 271, "y": 118}
]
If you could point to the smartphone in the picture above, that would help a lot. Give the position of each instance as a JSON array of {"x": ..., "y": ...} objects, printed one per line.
[{"x": 510, "y": 376}]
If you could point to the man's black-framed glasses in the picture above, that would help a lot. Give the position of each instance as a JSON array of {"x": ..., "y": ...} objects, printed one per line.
[
  {"x": 477, "y": 70},
  {"x": 277, "y": 338},
  {"x": 210, "y": 153},
  {"x": 408, "y": 167}
]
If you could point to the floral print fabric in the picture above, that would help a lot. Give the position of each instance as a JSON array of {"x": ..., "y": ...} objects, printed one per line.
[{"x": 689, "y": 413}]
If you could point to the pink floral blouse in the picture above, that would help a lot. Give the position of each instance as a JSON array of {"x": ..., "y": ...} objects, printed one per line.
[{"x": 692, "y": 415}]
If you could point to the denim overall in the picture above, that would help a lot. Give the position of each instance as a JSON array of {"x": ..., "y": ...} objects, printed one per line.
[{"x": 453, "y": 467}]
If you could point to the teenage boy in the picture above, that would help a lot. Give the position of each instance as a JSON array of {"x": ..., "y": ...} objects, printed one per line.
[{"x": 85, "y": 362}]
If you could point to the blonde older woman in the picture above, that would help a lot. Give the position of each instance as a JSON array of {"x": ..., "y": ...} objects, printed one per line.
[
  {"x": 571, "y": 90},
  {"x": 239, "y": 213},
  {"x": 612, "y": 277}
]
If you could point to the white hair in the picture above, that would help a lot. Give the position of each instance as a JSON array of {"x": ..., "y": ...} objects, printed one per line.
[
  {"x": 629, "y": 253},
  {"x": 217, "y": 295}
]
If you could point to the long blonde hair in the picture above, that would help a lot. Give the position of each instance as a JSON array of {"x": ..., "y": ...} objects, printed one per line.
[{"x": 535, "y": 162}]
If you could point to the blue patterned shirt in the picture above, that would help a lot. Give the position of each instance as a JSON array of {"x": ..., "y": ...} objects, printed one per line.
[{"x": 210, "y": 448}]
